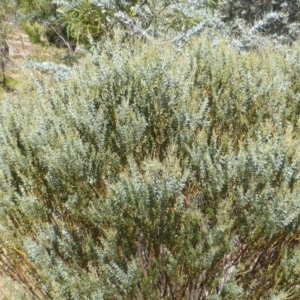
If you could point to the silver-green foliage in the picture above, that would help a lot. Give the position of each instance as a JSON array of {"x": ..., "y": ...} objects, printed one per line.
[{"x": 154, "y": 173}]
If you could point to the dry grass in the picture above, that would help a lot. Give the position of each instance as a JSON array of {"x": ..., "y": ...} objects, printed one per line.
[{"x": 10, "y": 290}]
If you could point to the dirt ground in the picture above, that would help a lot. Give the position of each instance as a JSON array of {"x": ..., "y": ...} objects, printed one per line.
[{"x": 21, "y": 50}]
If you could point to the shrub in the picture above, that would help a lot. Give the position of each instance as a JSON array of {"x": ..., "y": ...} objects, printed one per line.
[{"x": 155, "y": 173}]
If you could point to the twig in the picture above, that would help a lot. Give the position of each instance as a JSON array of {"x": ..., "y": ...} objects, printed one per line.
[
  {"x": 10, "y": 46},
  {"x": 25, "y": 56},
  {"x": 63, "y": 39}
]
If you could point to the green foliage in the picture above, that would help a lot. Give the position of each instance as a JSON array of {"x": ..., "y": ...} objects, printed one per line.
[
  {"x": 277, "y": 19},
  {"x": 155, "y": 173},
  {"x": 252, "y": 11},
  {"x": 34, "y": 32},
  {"x": 86, "y": 21},
  {"x": 35, "y": 9}
]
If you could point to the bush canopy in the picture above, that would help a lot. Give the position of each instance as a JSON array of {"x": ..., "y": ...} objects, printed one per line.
[{"x": 155, "y": 172}]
